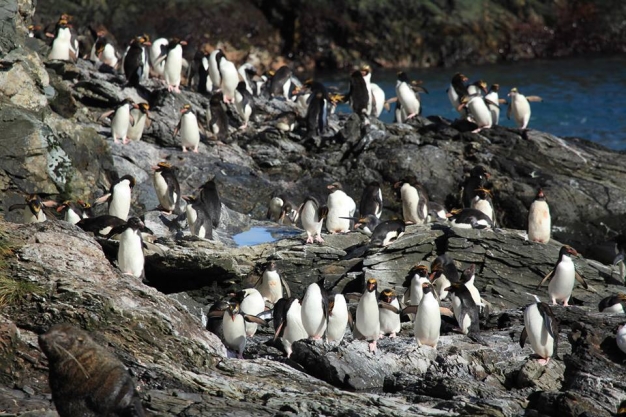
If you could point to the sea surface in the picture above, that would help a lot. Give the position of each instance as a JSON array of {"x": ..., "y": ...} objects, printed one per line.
[{"x": 583, "y": 97}]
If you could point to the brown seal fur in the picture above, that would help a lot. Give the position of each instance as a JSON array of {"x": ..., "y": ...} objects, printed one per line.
[{"x": 86, "y": 380}]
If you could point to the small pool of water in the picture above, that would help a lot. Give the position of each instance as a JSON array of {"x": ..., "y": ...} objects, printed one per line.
[{"x": 259, "y": 235}]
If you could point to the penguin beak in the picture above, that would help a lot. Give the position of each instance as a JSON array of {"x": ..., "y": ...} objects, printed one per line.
[{"x": 431, "y": 276}]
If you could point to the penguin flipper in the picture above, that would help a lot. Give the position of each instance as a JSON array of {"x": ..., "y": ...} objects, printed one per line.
[
  {"x": 548, "y": 318},
  {"x": 285, "y": 286},
  {"x": 582, "y": 281},
  {"x": 618, "y": 258},
  {"x": 412, "y": 309},
  {"x": 509, "y": 110},
  {"x": 353, "y": 296},
  {"x": 546, "y": 278},
  {"x": 17, "y": 206},
  {"x": 102, "y": 199},
  {"x": 387, "y": 306},
  {"x": 522, "y": 337},
  {"x": 534, "y": 98},
  {"x": 254, "y": 319}
]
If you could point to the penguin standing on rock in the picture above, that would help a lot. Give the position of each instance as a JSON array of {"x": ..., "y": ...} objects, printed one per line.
[
  {"x": 315, "y": 310},
  {"x": 200, "y": 68},
  {"x": 539, "y": 220},
  {"x": 478, "y": 111},
  {"x": 243, "y": 103},
  {"x": 271, "y": 283},
  {"x": 312, "y": 217},
  {"x": 413, "y": 282},
  {"x": 457, "y": 90},
  {"x": 104, "y": 50},
  {"x": 465, "y": 309},
  {"x": 100, "y": 225},
  {"x": 414, "y": 200},
  {"x": 188, "y": 128},
  {"x": 214, "y": 69},
  {"x": 519, "y": 108},
  {"x": 173, "y": 64},
  {"x": 469, "y": 218},
  {"x": 468, "y": 278},
  {"x": 74, "y": 212},
  {"x": 229, "y": 77},
  {"x": 250, "y": 302},
  {"x": 389, "y": 318},
  {"x": 65, "y": 43},
  {"x": 119, "y": 197},
  {"x": 167, "y": 187},
  {"x": 493, "y": 103},
  {"x": 443, "y": 274},
  {"x": 280, "y": 83},
  {"x": 371, "y": 200},
  {"x": 210, "y": 202},
  {"x": 33, "y": 208},
  {"x": 198, "y": 219},
  {"x": 407, "y": 93},
  {"x": 367, "y": 315},
  {"x": 130, "y": 257},
  {"x": 376, "y": 94},
  {"x": 234, "y": 327},
  {"x": 620, "y": 338},
  {"x": 288, "y": 323},
  {"x": 135, "y": 60},
  {"x": 158, "y": 50},
  {"x": 542, "y": 328},
  {"x": 141, "y": 117},
  {"x": 317, "y": 110},
  {"x": 340, "y": 207},
  {"x": 121, "y": 120},
  {"x": 359, "y": 96},
  {"x": 563, "y": 277},
  {"x": 216, "y": 117},
  {"x": 338, "y": 318},
  {"x": 483, "y": 202},
  {"x": 427, "y": 323},
  {"x": 478, "y": 178}
]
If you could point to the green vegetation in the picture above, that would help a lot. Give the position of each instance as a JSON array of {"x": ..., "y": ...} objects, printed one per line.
[{"x": 12, "y": 292}]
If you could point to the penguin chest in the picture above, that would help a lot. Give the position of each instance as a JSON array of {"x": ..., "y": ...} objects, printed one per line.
[
  {"x": 253, "y": 304},
  {"x": 417, "y": 292},
  {"x": 427, "y": 322},
  {"x": 121, "y": 122},
  {"x": 192, "y": 215},
  {"x": 521, "y": 111},
  {"x": 310, "y": 219},
  {"x": 453, "y": 97},
  {"x": 173, "y": 66},
  {"x": 464, "y": 320},
  {"x": 189, "y": 131},
  {"x": 621, "y": 338},
  {"x": 29, "y": 217},
  {"x": 389, "y": 321},
  {"x": 271, "y": 288},
  {"x": 615, "y": 308},
  {"x": 337, "y": 320},
  {"x": 484, "y": 206},
  {"x": 408, "y": 99},
  {"x": 130, "y": 253},
  {"x": 230, "y": 78},
  {"x": 313, "y": 318},
  {"x": 294, "y": 330},
  {"x": 479, "y": 111},
  {"x": 135, "y": 131},
  {"x": 71, "y": 216},
  {"x": 378, "y": 96},
  {"x": 562, "y": 283},
  {"x": 538, "y": 335},
  {"x": 539, "y": 222},
  {"x": 440, "y": 285},
  {"x": 367, "y": 316},
  {"x": 61, "y": 45},
  {"x": 234, "y": 332},
  {"x": 339, "y": 205},
  {"x": 120, "y": 201},
  {"x": 243, "y": 108},
  {"x": 109, "y": 57},
  {"x": 410, "y": 201}
]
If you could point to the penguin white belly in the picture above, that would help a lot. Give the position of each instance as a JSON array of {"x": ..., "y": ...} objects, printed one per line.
[
  {"x": 367, "y": 316},
  {"x": 120, "y": 202},
  {"x": 29, "y": 217},
  {"x": 244, "y": 110},
  {"x": 271, "y": 287},
  {"x": 302, "y": 101},
  {"x": 454, "y": 99},
  {"x": 313, "y": 318},
  {"x": 109, "y": 56},
  {"x": 484, "y": 206},
  {"x": 173, "y": 66},
  {"x": 539, "y": 222},
  {"x": 234, "y": 332},
  {"x": 135, "y": 131},
  {"x": 130, "y": 253},
  {"x": 494, "y": 108},
  {"x": 440, "y": 285},
  {"x": 286, "y": 88},
  {"x": 427, "y": 322},
  {"x": 540, "y": 340},
  {"x": 253, "y": 304},
  {"x": 389, "y": 321},
  {"x": 310, "y": 220},
  {"x": 521, "y": 111},
  {"x": 189, "y": 131},
  {"x": 61, "y": 45},
  {"x": 479, "y": 111},
  {"x": 379, "y": 99},
  {"x": 71, "y": 216},
  {"x": 408, "y": 99},
  {"x": 209, "y": 82},
  {"x": 475, "y": 294},
  {"x": 457, "y": 309},
  {"x": 165, "y": 199},
  {"x": 120, "y": 122},
  {"x": 214, "y": 71},
  {"x": 562, "y": 283},
  {"x": 294, "y": 330},
  {"x": 192, "y": 215},
  {"x": 621, "y": 338},
  {"x": 417, "y": 292},
  {"x": 615, "y": 308},
  {"x": 339, "y": 205},
  {"x": 155, "y": 52},
  {"x": 410, "y": 200},
  {"x": 338, "y": 320},
  {"x": 230, "y": 79}
]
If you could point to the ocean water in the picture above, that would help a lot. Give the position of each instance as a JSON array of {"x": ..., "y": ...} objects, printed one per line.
[{"x": 582, "y": 97}]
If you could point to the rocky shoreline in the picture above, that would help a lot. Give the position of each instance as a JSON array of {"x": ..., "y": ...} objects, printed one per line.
[{"x": 54, "y": 272}]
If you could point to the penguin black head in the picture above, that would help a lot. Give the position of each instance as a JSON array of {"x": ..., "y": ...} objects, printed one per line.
[
  {"x": 402, "y": 77},
  {"x": 64, "y": 206},
  {"x": 459, "y": 78},
  {"x": 130, "y": 178},
  {"x": 271, "y": 266},
  {"x": 468, "y": 273},
  {"x": 481, "y": 84},
  {"x": 335, "y": 186},
  {"x": 479, "y": 171},
  {"x": 494, "y": 87},
  {"x": 135, "y": 223},
  {"x": 371, "y": 285},
  {"x": 387, "y": 295},
  {"x": 457, "y": 288},
  {"x": 241, "y": 86},
  {"x": 568, "y": 250},
  {"x": 83, "y": 204},
  {"x": 421, "y": 270},
  {"x": 164, "y": 166},
  {"x": 540, "y": 195},
  {"x": 34, "y": 203}
]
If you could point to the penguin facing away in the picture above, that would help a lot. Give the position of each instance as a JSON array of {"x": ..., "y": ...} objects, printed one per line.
[
  {"x": 315, "y": 310},
  {"x": 563, "y": 276},
  {"x": 359, "y": 95},
  {"x": 367, "y": 315},
  {"x": 198, "y": 219},
  {"x": 243, "y": 103},
  {"x": 542, "y": 329},
  {"x": 539, "y": 220},
  {"x": 371, "y": 200},
  {"x": 478, "y": 177}
]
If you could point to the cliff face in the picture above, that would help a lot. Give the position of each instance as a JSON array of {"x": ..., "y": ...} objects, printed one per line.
[{"x": 326, "y": 34}]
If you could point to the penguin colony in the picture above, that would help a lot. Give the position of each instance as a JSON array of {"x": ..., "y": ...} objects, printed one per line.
[{"x": 317, "y": 314}]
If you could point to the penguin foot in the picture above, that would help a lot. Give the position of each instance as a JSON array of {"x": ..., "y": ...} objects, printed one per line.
[
  {"x": 115, "y": 140},
  {"x": 410, "y": 116},
  {"x": 372, "y": 346},
  {"x": 243, "y": 126},
  {"x": 392, "y": 335},
  {"x": 126, "y": 141},
  {"x": 543, "y": 362},
  {"x": 319, "y": 239},
  {"x": 309, "y": 240},
  {"x": 477, "y": 130},
  {"x": 184, "y": 149},
  {"x": 195, "y": 150}
]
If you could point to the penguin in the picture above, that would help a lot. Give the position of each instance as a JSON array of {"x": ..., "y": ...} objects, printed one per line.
[
  {"x": 215, "y": 316},
  {"x": 436, "y": 212},
  {"x": 478, "y": 111},
  {"x": 407, "y": 93},
  {"x": 211, "y": 202},
  {"x": 312, "y": 217},
  {"x": 315, "y": 310},
  {"x": 200, "y": 68},
  {"x": 188, "y": 128},
  {"x": 389, "y": 320},
  {"x": 247, "y": 73},
  {"x": 542, "y": 328},
  {"x": 613, "y": 304},
  {"x": 74, "y": 212},
  {"x": 469, "y": 218},
  {"x": 130, "y": 259},
  {"x": 158, "y": 51},
  {"x": 483, "y": 202},
  {"x": 339, "y": 205},
  {"x": 468, "y": 277},
  {"x": 338, "y": 318},
  {"x": 234, "y": 323},
  {"x": 65, "y": 43},
  {"x": 104, "y": 50},
  {"x": 493, "y": 103},
  {"x": 135, "y": 61},
  {"x": 519, "y": 108},
  {"x": 427, "y": 323},
  {"x": 173, "y": 64},
  {"x": 141, "y": 117},
  {"x": 275, "y": 207},
  {"x": 250, "y": 302},
  {"x": 414, "y": 200},
  {"x": 270, "y": 285},
  {"x": 367, "y": 315},
  {"x": 477, "y": 88},
  {"x": 317, "y": 110},
  {"x": 387, "y": 232},
  {"x": 539, "y": 220},
  {"x": 34, "y": 208},
  {"x": 198, "y": 220},
  {"x": 413, "y": 282},
  {"x": 121, "y": 120},
  {"x": 376, "y": 94},
  {"x": 280, "y": 83},
  {"x": 167, "y": 187},
  {"x": 443, "y": 273},
  {"x": 243, "y": 103},
  {"x": 229, "y": 78},
  {"x": 366, "y": 224},
  {"x": 478, "y": 178},
  {"x": 100, "y": 225},
  {"x": 457, "y": 90},
  {"x": 214, "y": 69},
  {"x": 289, "y": 213},
  {"x": 563, "y": 276},
  {"x": 288, "y": 323},
  {"x": 359, "y": 96},
  {"x": 216, "y": 117},
  {"x": 119, "y": 197},
  {"x": 285, "y": 122},
  {"x": 465, "y": 309},
  {"x": 371, "y": 200},
  {"x": 620, "y": 338}
]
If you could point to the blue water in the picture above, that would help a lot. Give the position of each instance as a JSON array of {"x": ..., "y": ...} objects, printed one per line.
[
  {"x": 259, "y": 235},
  {"x": 583, "y": 97}
]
